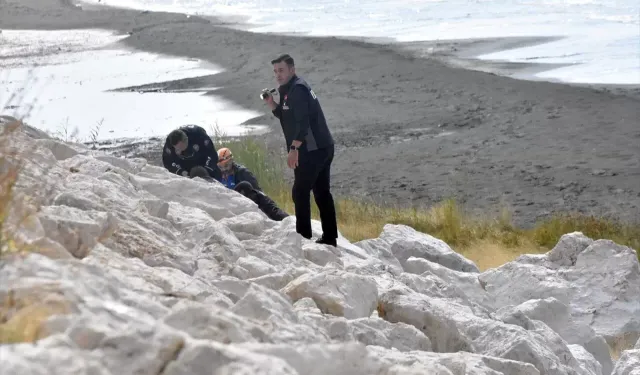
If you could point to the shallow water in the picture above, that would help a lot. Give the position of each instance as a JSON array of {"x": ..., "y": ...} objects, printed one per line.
[
  {"x": 61, "y": 81},
  {"x": 602, "y": 35}
]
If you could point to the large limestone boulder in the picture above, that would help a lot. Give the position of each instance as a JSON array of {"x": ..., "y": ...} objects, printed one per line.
[
  {"x": 405, "y": 242},
  {"x": 597, "y": 279},
  {"x": 336, "y": 292}
]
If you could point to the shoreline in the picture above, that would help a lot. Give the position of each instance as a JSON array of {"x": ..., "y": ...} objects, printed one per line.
[{"x": 418, "y": 130}]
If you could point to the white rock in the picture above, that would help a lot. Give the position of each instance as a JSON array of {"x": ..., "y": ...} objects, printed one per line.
[
  {"x": 206, "y": 358},
  {"x": 628, "y": 364},
  {"x": 263, "y": 303},
  {"x": 465, "y": 286},
  {"x": 566, "y": 251},
  {"x": 60, "y": 150},
  {"x": 336, "y": 292},
  {"x": 307, "y": 305},
  {"x": 600, "y": 287},
  {"x": 556, "y": 315},
  {"x": 27, "y": 359},
  {"x": 380, "y": 249},
  {"x": 248, "y": 225},
  {"x": 452, "y": 327},
  {"x": 78, "y": 231},
  {"x": 279, "y": 280},
  {"x": 321, "y": 254},
  {"x": 452, "y": 363},
  {"x": 599, "y": 348},
  {"x": 216, "y": 324},
  {"x": 252, "y": 267},
  {"x": 406, "y": 242},
  {"x": 588, "y": 363},
  {"x": 140, "y": 351},
  {"x": 379, "y": 332}
]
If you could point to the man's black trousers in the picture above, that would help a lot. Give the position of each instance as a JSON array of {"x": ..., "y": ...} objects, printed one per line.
[{"x": 313, "y": 174}]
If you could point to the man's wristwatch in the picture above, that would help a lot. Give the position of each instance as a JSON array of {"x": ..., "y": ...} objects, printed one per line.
[{"x": 292, "y": 147}]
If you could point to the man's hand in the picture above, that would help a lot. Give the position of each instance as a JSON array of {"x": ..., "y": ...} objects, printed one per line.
[
  {"x": 292, "y": 159},
  {"x": 270, "y": 102}
]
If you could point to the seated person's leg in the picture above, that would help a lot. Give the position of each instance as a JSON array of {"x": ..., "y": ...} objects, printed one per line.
[
  {"x": 245, "y": 188},
  {"x": 266, "y": 204},
  {"x": 271, "y": 209}
]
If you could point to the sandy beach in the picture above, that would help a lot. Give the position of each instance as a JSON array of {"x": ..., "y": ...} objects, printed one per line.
[{"x": 415, "y": 123}]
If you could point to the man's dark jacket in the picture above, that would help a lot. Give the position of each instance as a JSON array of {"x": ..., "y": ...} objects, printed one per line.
[
  {"x": 200, "y": 152},
  {"x": 301, "y": 116},
  {"x": 241, "y": 173}
]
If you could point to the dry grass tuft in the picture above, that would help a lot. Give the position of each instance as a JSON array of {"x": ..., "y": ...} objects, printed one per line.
[
  {"x": 22, "y": 313},
  {"x": 10, "y": 167},
  {"x": 620, "y": 344}
]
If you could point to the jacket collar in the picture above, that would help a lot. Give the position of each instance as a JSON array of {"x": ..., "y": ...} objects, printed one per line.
[{"x": 287, "y": 86}]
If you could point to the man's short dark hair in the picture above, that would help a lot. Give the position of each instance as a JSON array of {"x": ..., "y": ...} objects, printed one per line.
[
  {"x": 198, "y": 171},
  {"x": 286, "y": 58},
  {"x": 176, "y": 137}
]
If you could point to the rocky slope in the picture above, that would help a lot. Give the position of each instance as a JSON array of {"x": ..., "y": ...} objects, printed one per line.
[{"x": 150, "y": 273}]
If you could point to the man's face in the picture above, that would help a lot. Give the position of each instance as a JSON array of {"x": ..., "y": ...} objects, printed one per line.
[
  {"x": 283, "y": 73},
  {"x": 181, "y": 146}
]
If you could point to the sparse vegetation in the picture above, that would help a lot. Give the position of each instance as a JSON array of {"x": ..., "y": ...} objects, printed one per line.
[
  {"x": 10, "y": 165},
  {"x": 490, "y": 241},
  {"x": 21, "y": 316},
  {"x": 95, "y": 132},
  {"x": 619, "y": 344}
]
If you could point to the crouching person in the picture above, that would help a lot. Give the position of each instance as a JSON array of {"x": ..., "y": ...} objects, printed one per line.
[
  {"x": 265, "y": 204},
  {"x": 187, "y": 147}
]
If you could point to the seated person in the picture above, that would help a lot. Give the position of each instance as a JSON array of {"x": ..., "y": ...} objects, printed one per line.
[
  {"x": 232, "y": 172},
  {"x": 265, "y": 204},
  {"x": 187, "y": 147}
]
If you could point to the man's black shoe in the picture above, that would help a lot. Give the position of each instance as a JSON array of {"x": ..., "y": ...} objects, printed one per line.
[{"x": 328, "y": 241}]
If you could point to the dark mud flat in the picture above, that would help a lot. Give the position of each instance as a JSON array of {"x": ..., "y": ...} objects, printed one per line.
[{"x": 413, "y": 127}]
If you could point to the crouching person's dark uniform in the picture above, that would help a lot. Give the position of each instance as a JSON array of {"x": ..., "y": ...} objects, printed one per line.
[{"x": 200, "y": 151}]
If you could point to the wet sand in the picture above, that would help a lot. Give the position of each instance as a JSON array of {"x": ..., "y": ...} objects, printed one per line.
[{"x": 413, "y": 124}]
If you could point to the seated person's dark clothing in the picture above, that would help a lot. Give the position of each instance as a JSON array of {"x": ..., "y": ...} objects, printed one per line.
[
  {"x": 265, "y": 204},
  {"x": 200, "y": 151},
  {"x": 240, "y": 174}
]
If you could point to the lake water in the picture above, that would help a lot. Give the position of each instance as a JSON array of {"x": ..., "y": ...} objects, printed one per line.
[
  {"x": 602, "y": 36},
  {"x": 62, "y": 81}
]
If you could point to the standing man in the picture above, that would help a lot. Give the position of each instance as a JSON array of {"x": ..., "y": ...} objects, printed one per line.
[
  {"x": 187, "y": 147},
  {"x": 310, "y": 149}
]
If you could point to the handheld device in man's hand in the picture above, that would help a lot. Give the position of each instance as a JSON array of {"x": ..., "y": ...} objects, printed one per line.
[{"x": 266, "y": 92}]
